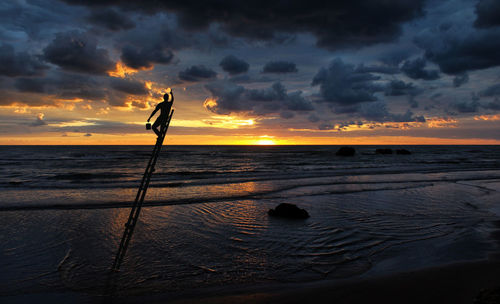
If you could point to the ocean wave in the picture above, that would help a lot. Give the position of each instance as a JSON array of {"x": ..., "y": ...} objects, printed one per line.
[
  {"x": 270, "y": 194},
  {"x": 87, "y": 176}
]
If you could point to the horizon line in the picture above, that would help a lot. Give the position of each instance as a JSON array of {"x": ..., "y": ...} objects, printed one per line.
[{"x": 257, "y": 145}]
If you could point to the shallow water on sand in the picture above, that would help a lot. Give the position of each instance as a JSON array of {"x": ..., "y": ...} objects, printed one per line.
[{"x": 208, "y": 226}]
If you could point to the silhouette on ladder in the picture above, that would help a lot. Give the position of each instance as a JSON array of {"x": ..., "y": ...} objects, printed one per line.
[{"x": 163, "y": 121}]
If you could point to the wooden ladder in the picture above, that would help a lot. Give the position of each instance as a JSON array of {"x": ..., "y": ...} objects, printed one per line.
[{"x": 139, "y": 198}]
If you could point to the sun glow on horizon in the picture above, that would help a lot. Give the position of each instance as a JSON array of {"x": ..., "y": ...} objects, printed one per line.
[{"x": 265, "y": 142}]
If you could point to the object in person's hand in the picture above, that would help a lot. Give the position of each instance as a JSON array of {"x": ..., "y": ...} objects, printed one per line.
[{"x": 148, "y": 126}]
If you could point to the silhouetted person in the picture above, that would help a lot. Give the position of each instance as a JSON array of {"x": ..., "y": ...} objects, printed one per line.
[{"x": 164, "y": 107}]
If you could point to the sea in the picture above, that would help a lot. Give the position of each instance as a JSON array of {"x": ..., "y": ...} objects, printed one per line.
[{"x": 205, "y": 228}]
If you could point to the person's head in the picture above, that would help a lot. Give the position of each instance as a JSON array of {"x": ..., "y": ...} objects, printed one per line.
[{"x": 167, "y": 97}]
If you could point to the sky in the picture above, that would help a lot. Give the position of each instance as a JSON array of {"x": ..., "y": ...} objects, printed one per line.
[{"x": 89, "y": 72}]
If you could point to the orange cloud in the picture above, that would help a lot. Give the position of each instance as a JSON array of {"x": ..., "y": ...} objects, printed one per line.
[
  {"x": 362, "y": 127},
  {"x": 401, "y": 125},
  {"x": 442, "y": 122},
  {"x": 122, "y": 71},
  {"x": 487, "y": 117},
  {"x": 210, "y": 103},
  {"x": 21, "y": 110},
  {"x": 21, "y": 107}
]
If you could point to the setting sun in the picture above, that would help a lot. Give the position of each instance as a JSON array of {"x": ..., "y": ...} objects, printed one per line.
[{"x": 265, "y": 142}]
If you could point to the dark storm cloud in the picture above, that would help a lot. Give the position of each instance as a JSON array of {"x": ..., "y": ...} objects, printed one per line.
[
  {"x": 346, "y": 109},
  {"x": 493, "y": 105},
  {"x": 394, "y": 56},
  {"x": 228, "y": 98},
  {"x": 336, "y": 24},
  {"x": 65, "y": 85},
  {"x": 234, "y": 65},
  {"x": 114, "y": 91},
  {"x": 477, "y": 52},
  {"x": 155, "y": 42},
  {"x": 413, "y": 102},
  {"x": 381, "y": 69},
  {"x": 493, "y": 90},
  {"x": 145, "y": 57},
  {"x": 129, "y": 86},
  {"x": 276, "y": 92},
  {"x": 294, "y": 101},
  {"x": 436, "y": 96},
  {"x": 488, "y": 13},
  {"x": 68, "y": 85},
  {"x": 467, "y": 106},
  {"x": 197, "y": 73},
  {"x": 460, "y": 79},
  {"x": 110, "y": 19},
  {"x": 37, "y": 18},
  {"x": 280, "y": 67},
  {"x": 14, "y": 64},
  {"x": 251, "y": 79},
  {"x": 30, "y": 85},
  {"x": 457, "y": 51},
  {"x": 78, "y": 52},
  {"x": 399, "y": 88},
  {"x": 415, "y": 69},
  {"x": 341, "y": 84},
  {"x": 313, "y": 118},
  {"x": 377, "y": 112}
]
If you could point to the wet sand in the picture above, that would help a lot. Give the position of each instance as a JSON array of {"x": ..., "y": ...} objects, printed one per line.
[{"x": 455, "y": 283}]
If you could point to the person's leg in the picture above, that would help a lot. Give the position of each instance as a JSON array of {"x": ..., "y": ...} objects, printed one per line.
[
  {"x": 156, "y": 125},
  {"x": 162, "y": 121}
]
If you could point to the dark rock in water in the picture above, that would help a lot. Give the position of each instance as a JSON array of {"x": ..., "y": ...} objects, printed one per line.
[
  {"x": 288, "y": 211},
  {"x": 383, "y": 151},
  {"x": 488, "y": 296},
  {"x": 346, "y": 151},
  {"x": 403, "y": 152}
]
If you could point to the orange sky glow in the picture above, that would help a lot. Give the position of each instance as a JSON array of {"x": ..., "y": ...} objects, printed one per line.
[
  {"x": 193, "y": 124},
  {"x": 149, "y": 139}
]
